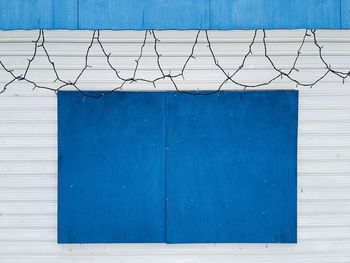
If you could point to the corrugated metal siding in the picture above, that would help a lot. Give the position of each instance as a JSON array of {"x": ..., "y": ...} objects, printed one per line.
[{"x": 28, "y": 142}]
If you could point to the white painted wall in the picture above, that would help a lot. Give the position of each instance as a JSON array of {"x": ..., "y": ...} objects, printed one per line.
[{"x": 28, "y": 142}]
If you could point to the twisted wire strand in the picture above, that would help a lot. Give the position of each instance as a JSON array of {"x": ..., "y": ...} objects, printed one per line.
[{"x": 40, "y": 42}]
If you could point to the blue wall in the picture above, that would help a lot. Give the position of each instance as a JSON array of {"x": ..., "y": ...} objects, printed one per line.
[{"x": 174, "y": 14}]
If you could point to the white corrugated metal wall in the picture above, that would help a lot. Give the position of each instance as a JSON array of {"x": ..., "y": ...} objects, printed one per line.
[{"x": 28, "y": 140}]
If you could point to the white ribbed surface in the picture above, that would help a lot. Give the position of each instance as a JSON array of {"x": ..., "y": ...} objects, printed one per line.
[{"x": 28, "y": 142}]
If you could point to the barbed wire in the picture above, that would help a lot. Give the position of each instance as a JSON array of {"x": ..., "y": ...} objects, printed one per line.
[{"x": 40, "y": 42}]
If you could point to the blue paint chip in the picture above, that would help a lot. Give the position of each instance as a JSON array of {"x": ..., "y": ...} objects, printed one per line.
[{"x": 155, "y": 167}]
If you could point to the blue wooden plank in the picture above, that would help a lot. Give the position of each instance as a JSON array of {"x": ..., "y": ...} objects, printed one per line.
[
  {"x": 38, "y": 14},
  {"x": 65, "y": 14},
  {"x": 111, "y": 168},
  {"x": 345, "y": 14},
  {"x": 181, "y": 14},
  {"x": 272, "y": 14},
  {"x": 104, "y": 14},
  {"x": 152, "y": 14},
  {"x": 231, "y": 167},
  {"x": 24, "y": 14}
]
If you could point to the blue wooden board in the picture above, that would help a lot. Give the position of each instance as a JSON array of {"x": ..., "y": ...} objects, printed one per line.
[
  {"x": 24, "y": 14},
  {"x": 175, "y": 168},
  {"x": 232, "y": 167},
  {"x": 267, "y": 14},
  {"x": 111, "y": 184},
  {"x": 65, "y": 14},
  {"x": 345, "y": 13},
  {"x": 38, "y": 14},
  {"x": 151, "y": 14},
  {"x": 180, "y": 14}
]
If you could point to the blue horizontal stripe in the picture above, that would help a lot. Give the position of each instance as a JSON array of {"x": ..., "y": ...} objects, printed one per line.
[{"x": 179, "y": 14}]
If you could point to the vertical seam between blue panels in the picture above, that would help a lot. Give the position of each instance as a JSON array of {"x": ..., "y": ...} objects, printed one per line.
[
  {"x": 209, "y": 14},
  {"x": 166, "y": 165},
  {"x": 53, "y": 16},
  {"x": 78, "y": 18},
  {"x": 340, "y": 14}
]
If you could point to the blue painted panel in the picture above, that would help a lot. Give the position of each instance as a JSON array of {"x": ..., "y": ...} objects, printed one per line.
[
  {"x": 152, "y": 14},
  {"x": 24, "y": 14},
  {"x": 232, "y": 167},
  {"x": 65, "y": 14},
  {"x": 270, "y": 14},
  {"x": 111, "y": 184},
  {"x": 103, "y": 14},
  {"x": 38, "y": 14},
  {"x": 345, "y": 13},
  {"x": 181, "y": 14}
]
